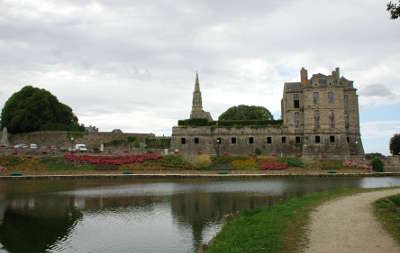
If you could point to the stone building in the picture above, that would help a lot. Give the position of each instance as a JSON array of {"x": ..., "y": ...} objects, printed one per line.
[{"x": 320, "y": 119}]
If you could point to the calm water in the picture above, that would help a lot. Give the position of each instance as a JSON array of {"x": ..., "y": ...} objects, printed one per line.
[{"x": 138, "y": 216}]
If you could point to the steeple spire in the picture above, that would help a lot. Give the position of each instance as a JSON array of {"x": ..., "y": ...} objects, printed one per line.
[
  {"x": 197, "y": 83},
  {"x": 197, "y": 104}
]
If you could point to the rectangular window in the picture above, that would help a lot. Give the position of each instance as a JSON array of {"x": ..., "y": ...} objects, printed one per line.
[
  {"x": 316, "y": 98},
  {"x": 330, "y": 97},
  {"x": 346, "y": 100},
  {"x": 296, "y": 119},
  {"x": 251, "y": 140},
  {"x": 183, "y": 140},
  {"x": 298, "y": 139},
  {"x": 332, "y": 139},
  {"x": 283, "y": 139},
  {"x": 348, "y": 139},
  {"x": 346, "y": 120},
  {"x": 296, "y": 101},
  {"x": 317, "y": 139},
  {"x": 269, "y": 140},
  {"x": 196, "y": 140},
  {"x": 233, "y": 140},
  {"x": 219, "y": 140},
  {"x": 316, "y": 119}
]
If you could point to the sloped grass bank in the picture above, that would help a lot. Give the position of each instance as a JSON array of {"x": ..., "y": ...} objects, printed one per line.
[
  {"x": 388, "y": 212},
  {"x": 277, "y": 228}
]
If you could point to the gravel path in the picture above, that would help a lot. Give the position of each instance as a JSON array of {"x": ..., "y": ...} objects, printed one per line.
[{"x": 348, "y": 224}]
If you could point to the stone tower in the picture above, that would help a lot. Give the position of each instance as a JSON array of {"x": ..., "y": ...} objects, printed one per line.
[{"x": 197, "y": 104}]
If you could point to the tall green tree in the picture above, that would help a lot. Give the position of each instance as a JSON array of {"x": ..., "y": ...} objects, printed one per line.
[
  {"x": 394, "y": 9},
  {"x": 246, "y": 112},
  {"x": 34, "y": 109},
  {"x": 395, "y": 144}
]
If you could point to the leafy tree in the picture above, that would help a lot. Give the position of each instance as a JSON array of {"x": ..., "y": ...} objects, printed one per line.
[
  {"x": 395, "y": 144},
  {"x": 377, "y": 164},
  {"x": 34, "y": 109},
  {"x": 394, "y": 9},
  {"x": 246, "y": 112}
]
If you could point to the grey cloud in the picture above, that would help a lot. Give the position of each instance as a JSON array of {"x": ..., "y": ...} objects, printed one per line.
[
  {"x": 376, "y": 90},
  {"x": 124, "y": 57}
]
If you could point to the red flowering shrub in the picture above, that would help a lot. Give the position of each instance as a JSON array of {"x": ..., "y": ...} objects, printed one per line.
[
  {"x": 112, "y": 160},
  {"x": 274, "y": 166},
  {"x": 3, "y": 170}
]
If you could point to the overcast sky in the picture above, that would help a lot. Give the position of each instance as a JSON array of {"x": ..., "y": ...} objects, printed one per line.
[{"x": 131, "y": 64}]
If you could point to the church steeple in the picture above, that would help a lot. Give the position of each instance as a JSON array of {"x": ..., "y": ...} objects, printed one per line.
[{"x": 197, "y": 103}]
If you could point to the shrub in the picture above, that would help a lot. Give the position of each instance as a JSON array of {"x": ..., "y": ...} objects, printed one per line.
[
  {"x": 175, "y": 162},
  {"x": 274, "y": 166},
  {"x": 202, "y": 161},
  {"x": 131, "y": 139},
  {"x": 258, "y": 151},
  {"x": 221, "y": 162},
  {"x": 377, "y": 164},
  {"x": 246, "y": 164},
  {"x": 326, "y": 165},
  {"x": 293, "y": 161}
]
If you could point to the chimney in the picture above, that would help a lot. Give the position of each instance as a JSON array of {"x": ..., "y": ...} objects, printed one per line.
[{"x": 303, "y": 76}]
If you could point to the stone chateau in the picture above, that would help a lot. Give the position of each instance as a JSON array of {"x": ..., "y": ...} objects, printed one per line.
[{"x": 320, "y": 119}]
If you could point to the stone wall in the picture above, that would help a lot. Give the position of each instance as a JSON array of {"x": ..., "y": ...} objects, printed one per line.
[
  {"x": 247, "y": 140},
  {"x": 392, "y": 164},
  {"x": 63, "y": 138}
]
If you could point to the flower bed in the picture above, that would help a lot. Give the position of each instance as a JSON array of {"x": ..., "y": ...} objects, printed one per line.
[
  {"x": 357, "y": 164},
  {"x": 274, "y": 166},
  {"x": 3, "y": 170},
  {"x": 112, "y": 160}
]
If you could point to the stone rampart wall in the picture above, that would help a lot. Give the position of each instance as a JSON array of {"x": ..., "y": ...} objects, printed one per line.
[{"x": 63, "y": 138}]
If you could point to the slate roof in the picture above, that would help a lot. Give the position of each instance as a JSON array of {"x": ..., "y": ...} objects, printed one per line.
[{"x": 293, "y": 87}]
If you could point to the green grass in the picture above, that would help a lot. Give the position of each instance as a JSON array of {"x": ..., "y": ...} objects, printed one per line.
[
  {"x": 59, "y": 164},
  {"x": 277, "y": 228},
  {"x": 388, "y": 212}
]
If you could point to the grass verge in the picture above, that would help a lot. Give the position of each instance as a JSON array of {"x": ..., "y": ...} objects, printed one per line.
[
  {"x": 277, "y": 228},
  {"x": 388, "y": 212}
]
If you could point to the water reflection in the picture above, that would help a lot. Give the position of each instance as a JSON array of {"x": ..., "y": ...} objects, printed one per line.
[{"x": 147, "y": 216}]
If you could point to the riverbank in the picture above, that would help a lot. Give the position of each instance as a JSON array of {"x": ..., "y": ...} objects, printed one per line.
[
  {"x": 188, "y": 175},
  {"x": 280, "y": 228}
]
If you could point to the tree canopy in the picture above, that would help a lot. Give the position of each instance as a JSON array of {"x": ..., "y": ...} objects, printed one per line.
[
  {"x": 33, "y": 109},
  {"x": 246, "y": 112},
  {"x": 394, "y": 9},
  {"x": 395, "y": 144}
]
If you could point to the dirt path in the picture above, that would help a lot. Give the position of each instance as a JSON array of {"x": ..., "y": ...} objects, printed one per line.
[{"x": 348, "y": 224}]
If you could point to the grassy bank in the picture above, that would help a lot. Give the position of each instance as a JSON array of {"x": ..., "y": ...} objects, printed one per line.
[
  {"x": 278, "y": 228},
  {"x": 388, "y": 212},
  {"x": 41, "y": 164}
]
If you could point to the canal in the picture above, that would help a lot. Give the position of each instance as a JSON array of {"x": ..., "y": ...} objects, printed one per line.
[{"x": 119, "y": 215}]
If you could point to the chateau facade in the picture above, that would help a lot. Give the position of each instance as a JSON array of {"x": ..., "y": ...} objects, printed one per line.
[{"x": 320, "y": 119}]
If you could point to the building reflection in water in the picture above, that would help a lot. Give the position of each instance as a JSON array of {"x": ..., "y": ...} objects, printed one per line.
[{"x": 172, "y": 212}]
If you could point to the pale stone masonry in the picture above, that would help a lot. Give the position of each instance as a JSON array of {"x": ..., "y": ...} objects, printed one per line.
[{"x": 320, "y": 120}]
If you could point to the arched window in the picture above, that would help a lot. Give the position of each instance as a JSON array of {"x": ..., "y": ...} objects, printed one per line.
[{"x": 316, "y": 119}]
